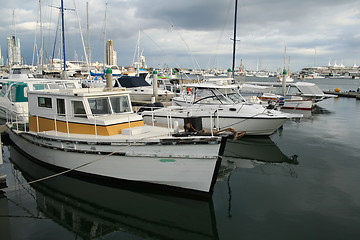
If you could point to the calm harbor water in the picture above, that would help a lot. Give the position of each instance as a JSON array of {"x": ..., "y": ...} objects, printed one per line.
[{"x": 299, "y": 183}]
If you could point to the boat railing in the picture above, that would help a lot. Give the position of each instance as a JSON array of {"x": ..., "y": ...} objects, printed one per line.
[
  {"x": 20, "y": 122},
  {"x": 15, "y": 116}
]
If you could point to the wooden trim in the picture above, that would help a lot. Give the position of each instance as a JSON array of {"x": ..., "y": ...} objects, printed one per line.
[{"x": 79, "y": 128}]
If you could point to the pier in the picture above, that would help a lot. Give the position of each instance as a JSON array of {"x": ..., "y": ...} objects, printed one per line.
[{"x": 345, "y": 94}]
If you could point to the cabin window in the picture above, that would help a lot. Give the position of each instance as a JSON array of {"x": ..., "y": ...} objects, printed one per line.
[
  {"x": 4, "y": 89},
  {"x": 44, "y": 102},
  {"x": 78, "y": 109},
  {"x": 70, "y": 85},
  {"x": 39, "y": 86},
  {"x": 25, "y": 92},
  {"x": 293, "y": 91},
  {"x": 60, "y": 106},
  {"x": 56, "y": 86},
  {"x": 99, "y": 106},
  {"x": 12, "y": 94},
  {"x": 120, "y": 104}
]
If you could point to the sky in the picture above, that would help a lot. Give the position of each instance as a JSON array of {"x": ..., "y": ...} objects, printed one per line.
[{"x": 191, "y": 33}]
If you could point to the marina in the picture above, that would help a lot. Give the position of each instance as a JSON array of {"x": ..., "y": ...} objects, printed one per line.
[
  {"x": 110, "y": 150},
  {"x": 298, "y": 183}
]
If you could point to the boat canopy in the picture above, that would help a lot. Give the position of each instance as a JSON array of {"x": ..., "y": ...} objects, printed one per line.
[{"x": 131, "y": 82}]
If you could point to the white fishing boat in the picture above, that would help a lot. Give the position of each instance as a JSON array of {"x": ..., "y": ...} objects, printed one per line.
[
  {"x": 104, "y": 209},
  {"x": 95, "y": 133},
  {"x": 219, "y": 107}
]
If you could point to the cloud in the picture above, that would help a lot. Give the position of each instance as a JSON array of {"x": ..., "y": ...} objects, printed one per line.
[{"x": 180, "y": 32}]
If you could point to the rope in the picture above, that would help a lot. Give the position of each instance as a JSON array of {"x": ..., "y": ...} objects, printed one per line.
[
  {"x": 237, "y": 135},
  {"x": 61, "y": 173}
]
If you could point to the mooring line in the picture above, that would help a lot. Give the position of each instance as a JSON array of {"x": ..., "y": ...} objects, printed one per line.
[{"x": 61, "y": 173}]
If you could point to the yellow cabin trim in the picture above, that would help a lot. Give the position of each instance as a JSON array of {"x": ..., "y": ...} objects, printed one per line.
[{"x": 78, "y": 128}]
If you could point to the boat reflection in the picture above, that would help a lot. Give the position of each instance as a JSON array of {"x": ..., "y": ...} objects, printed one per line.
[
  {"x": 260, "y": 148},
  {"x": 317, "y": 110},
  {"x": 92, "y": 211},
  {"x": 257, "y": 155},
  {"x": 306, "y": 113}
]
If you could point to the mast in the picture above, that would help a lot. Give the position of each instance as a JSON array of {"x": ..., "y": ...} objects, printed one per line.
[
  {"x": 234, "y": 44},
  {"x": 88, "y": 31},
  {"x": 105, "y": 36},
  {"x": 41, "y": 40},
  {"x": 138, "y": 55},
  {"x": 284, "y": 75},
  {"x": 63, "y": 32}
]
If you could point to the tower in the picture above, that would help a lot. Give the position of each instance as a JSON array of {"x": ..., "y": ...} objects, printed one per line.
[
  {"x": 14, "y": 51},
  {"x": 111, "y": 55},
  {"x": 1, "y": 59}
]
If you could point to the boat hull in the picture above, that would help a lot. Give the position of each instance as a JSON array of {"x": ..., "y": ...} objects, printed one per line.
[
  {"x": 252, "y": 125},
  {"x": 156, "y": 165},
  {"x": 298, "y": 104}
]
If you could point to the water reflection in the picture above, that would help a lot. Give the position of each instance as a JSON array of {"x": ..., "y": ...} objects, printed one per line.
[
  {"x": 305, "y": 113},
  {"x": 257, "y": 148},
  {"x": 320, "y": 110},
  {"x": 256, "y": 154},
  {"x": 259, "y": 155},
  {"x": 92, "y": 211}
]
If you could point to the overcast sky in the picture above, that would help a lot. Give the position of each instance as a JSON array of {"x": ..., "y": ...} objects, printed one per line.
[{"x": 194, "y": 33}]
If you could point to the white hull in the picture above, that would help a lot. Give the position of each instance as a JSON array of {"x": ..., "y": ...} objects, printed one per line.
[
  {"x": 192, "y": 168},
  {"x": 252, "y": 124},
  {"x": 298, "y": 104}
]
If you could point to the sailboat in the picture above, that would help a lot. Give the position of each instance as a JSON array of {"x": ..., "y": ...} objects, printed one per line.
[{"x": 287, "y": 75}]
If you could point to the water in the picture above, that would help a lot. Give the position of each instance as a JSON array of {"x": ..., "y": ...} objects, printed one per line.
[{"x": 300, "y": 183}]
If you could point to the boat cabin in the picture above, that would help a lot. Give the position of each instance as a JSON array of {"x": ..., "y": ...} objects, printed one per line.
[
  {"x": 211, "y": 94},
  {"x": 94, "y": 111}
]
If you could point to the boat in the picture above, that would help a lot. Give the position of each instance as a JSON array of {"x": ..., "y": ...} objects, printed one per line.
[
  {"x": 94, "y": 132},
  {"x": 141, "y": 90},
  {"x": 218, "y": 107},
  {"x": 93, "y": 211},
  {"x": 268, "y": 95},
  {"x": 298, "y": 95},
  {"x": 13, "y": 95},
  {"x": 288, "y": 102},
  {"x": 288, "y": 78}
]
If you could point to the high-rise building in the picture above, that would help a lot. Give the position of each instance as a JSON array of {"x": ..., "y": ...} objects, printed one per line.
[
  {"x": 14, "y": 52},
  {"x": 111, "y": 55},
  {"x": 1, "y": 59}
]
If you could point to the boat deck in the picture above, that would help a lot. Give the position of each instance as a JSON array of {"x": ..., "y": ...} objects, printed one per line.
[{"x": 150, "y": 133}]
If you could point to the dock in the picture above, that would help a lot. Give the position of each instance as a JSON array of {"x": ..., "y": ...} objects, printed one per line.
[{"x": 345, "y": 94}]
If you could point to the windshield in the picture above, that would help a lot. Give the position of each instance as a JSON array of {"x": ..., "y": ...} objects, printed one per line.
[
  {"x": 211, "y": 96},
  {"x": 109, "y": 105},
  {"x": 218, "y": 96}
]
